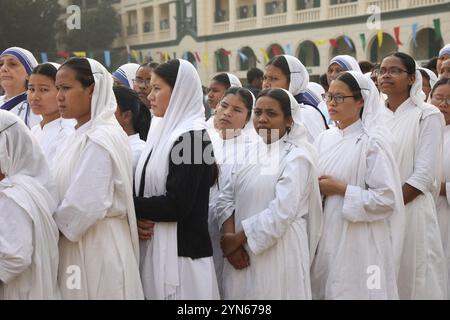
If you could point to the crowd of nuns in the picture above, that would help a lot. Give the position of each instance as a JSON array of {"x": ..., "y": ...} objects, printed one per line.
[{"x": 141, "y": 184}]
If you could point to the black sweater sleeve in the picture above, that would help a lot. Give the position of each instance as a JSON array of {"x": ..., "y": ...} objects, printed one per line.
[{"x": 183, "y": 182}]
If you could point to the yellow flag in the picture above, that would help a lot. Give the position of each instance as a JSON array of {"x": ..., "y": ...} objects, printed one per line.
[
  {"x": 135, "y": 55},
  {"x": 166, "y": 56},
  {"x": 206, "y": 59},
  {"x": 380, "y": 38},
  {"x": 320, "y": 42},
  {"x": 264, "y": 52},
  {"x": 80, "y": 54}
]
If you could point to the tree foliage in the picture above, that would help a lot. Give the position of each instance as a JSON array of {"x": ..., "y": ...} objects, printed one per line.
[
  {"x": 31, "y": 24},
  {"x": 99, "y": 28}
]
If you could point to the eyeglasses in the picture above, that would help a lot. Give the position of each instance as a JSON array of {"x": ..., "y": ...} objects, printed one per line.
[
  {"x": 338, "y": 98},
  {"x": 394, "y": 71},
  {"x": 141, "y": 82},
  {"x": 3, "y": 130},
  {"x": 439, "y": 100}
]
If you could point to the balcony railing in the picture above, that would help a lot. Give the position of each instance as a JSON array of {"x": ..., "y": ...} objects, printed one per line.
[
  {"x": 307, "y": 15},
  {"x": 343, "y": 10},
  {"x": 384, "y": 5},
  {"x": 420, "y": 3},
  {"x": 274, "y": 20},
  {"x": 221, "y": 27},
  {"x": 243, "y": 24},
  {"x": 132, "y": 30}
]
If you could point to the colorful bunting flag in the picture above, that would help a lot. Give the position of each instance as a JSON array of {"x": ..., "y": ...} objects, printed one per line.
[
  {"x": 108, "y": 58},
  {"x": 334, "y": 43},
  {"x": 206, "y": 59},
  {"x": 414, "y": 33},
  {"x": 348, "y": 41},
  {"x": 266, "y": 57},
  {"x": 397, "y": 36},
  {"x": 44, "y": 57},
  {"x": 362, "y": 37},
  {"x": 380, "y": 38},
  {"x": 437, "y": 29}
]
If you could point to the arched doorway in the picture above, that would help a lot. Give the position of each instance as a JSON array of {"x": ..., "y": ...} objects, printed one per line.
[
  {"x": 388, "y": 46},
  {"x": 427, "y": 45},
  {"x": 308, "y": 54}
]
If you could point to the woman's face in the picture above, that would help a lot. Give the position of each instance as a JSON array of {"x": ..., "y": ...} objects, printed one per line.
[
  {"x": 426, "y": 88},
  {"x": 346, "y": 112},
  {"x": 13, "y": 75},
  {"x": 440, "y": 61},
  {"x": 444, "y": 72},
  {"x": 269, "y": 120},
  {"x": 275, "y": 78},
  {"x": 393, "y": 78},
  {"x": 216, "y": 91},
  {"x": 159, "y": 96},
  {"x": 142, "y": 84},
  {"x": 231, "y": 114},
  {"x": 333, "y": 71},
  {"x": 74, "y": 101},
  {"x": 440, "y": 97},
  {"x": 42, "y": 95}
]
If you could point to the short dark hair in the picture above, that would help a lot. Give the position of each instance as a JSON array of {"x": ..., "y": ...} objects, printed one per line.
[
  {"x": 168, "y": 71},
  {"x": 408, "y": 62},
  {"x": 281, "y": 96},
  {"x": 281, "y": 63},
  {"x": 82, "y": 69},
  {"x": 440, "y": 82},
  {"x": 223, "y": 79},
  {"x": 128, "y": 100},
  {"x": 46, "y": 69},
  {"x": 254, "y": 73},
  {"x": 366, "y": 66}
]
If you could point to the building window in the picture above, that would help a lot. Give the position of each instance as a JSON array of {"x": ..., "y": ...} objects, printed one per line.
[{"x": 307, "y": 4}]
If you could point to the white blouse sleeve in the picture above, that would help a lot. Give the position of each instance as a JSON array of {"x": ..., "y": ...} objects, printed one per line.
[
  {"x": 90, "y": 194},
  {"x": 16, "y": 239},
  {"x": 225, "y": 205},
  {"x": 427, "y": 151},
  {"x": 447, "y": 189},
  {"x": 377, "y": 200},
  {"x": 293, "y": 186}
]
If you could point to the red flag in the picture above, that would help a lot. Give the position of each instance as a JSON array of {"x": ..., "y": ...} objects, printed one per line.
[
  {"x": 397, "y": 36},
  {"x": 275, "y": 50},
  {"x": 64, "y": 54},
  {"x": 197, "y": 57},
  {"x": 226, "y": 52},
  {"x": 334, "y": 43}
]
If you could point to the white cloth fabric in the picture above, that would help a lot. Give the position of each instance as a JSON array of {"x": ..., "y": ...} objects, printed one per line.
[
  {"x": 227, "y": 153},
  {"x": 356, "y": 234},
  {"x": 127, "y": 73},
  {"x": 96, "y": 211},
  {"x": 24, "y": 112},
  {"x": 160, "y": 264},
  {"x": 418, "y": 130},
  {"x": 53, "y": 136},
  {"x": 299, "y": 78},
  {"x": 432, "y": 75},
  {"x": 28, "y": 233},
  {"x": 234, "y": 81},
  {"x": 25, "y": 57},
  {"x": 346, "y": 62},
  {"x": 371, "y": 214},
  {"x": 444, "y": 50},
  {"x": 282, "y": 223},
  {"x": 137, "y": 146},
  {"x": 443, "y": 202}
]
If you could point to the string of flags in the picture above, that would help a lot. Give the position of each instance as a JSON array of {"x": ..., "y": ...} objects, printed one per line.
[{"x": 244, "y": 55}]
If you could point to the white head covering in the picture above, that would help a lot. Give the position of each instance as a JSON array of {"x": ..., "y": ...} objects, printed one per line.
[
  {"x": 314, "y": 92},
  {"x": 56, "y": 65},
  {"x": 126, "y": 74},
  {"x": 30, "y": 185},
  {"x": 299, "y": 75},
  {"x": 159, "y": 269},
  {"x": 444, "y": 50},
  {"x": 105, "y": 131},
  {"x": 432, "y": 75},
  {"x": 234, "y": 81},
  {"x": 25, "y": 57},
  {"x": 346, "y": 62},
  {"x": 298, "y": 137}
]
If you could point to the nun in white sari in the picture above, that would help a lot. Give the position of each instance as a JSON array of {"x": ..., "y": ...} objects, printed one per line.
[
  {"x": 96, "y": 213},
  {"x": 358, "y": 254},
  {"x": 126, "y": 74},
  {"x": 285, "y": 207},
  {"x": 417, "y": 128},
  {"x": 28, "y": 233}
]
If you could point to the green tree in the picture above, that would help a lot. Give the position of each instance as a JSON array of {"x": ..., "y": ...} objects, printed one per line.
[
  {"x": 29, "y": 23},
  {"x": 99, "y": 28}
]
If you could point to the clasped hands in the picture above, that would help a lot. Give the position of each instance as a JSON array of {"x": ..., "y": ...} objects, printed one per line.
[
  {"x": 232, "y": 245},
  {"x": 145, "y": 229}
]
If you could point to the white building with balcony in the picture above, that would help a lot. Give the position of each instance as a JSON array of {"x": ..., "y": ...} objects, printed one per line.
[{"x": 229, "y": 35}]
